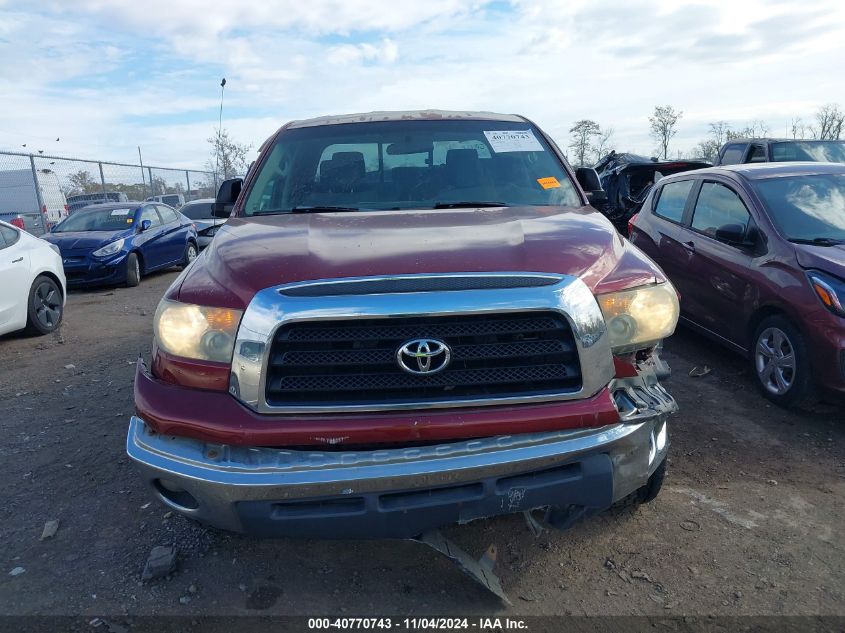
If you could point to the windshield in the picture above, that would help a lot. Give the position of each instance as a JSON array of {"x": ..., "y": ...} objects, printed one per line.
[
  {"x": 806, "y": 207},
  {"x": 197, "y": 210},
  {"x": 815, "y": 151},
  {"x": 97, "y": 220},
  {"x": 409, "y": 165}
]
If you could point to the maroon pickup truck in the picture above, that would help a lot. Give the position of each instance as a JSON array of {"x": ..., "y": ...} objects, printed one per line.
[{"x": 410, "y": 319}]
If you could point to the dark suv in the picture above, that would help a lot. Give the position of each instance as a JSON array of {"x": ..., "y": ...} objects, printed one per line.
[{"x": 766, "y": 150}]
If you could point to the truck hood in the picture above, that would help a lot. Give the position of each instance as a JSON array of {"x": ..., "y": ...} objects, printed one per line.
[
  {"x": 829, "y": 259},
  {"x": 76, "y": 241},
  {"x": 250, "y": 254}
]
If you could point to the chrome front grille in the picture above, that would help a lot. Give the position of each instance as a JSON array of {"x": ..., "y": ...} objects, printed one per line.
[
  {"x": 353, "y": 362},
  {"x": 301, "y": 352}
]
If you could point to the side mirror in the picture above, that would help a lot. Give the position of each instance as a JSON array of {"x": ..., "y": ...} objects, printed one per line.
[
  {"x": 588, "y": 178},
  {"x": 732, "y": 234},
  {"x": 227, "y": 195},
  {"x": 145, "y": 225}
]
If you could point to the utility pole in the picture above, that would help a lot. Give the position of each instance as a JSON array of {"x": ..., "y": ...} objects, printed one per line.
[
  {"x": 220, "y": 130},
  {"x": 143, "y": 180}
]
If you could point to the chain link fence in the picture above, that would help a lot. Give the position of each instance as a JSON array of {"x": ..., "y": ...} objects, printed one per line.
[{"x": 36, "y": 191}]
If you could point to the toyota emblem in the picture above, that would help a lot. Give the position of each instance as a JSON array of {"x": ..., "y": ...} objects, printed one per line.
[{"x": 423, "y": 356}]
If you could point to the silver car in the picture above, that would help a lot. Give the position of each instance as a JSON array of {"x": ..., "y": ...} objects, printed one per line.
[{"x": 199, "y": 211}]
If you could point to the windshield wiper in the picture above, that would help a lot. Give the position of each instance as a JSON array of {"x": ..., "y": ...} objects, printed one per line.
[
  {"x": 314, "y": 209},
  {"x": 469, "y": 204},
  {"x": 818, "y": 241},
  {"x": 322, "y": 209}
]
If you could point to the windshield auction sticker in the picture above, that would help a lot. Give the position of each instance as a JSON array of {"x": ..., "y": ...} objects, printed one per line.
[
  {"x": 549, "y": 183},
  {"x": 120, "y": 211},
  {"x": 513, "y": 141}
]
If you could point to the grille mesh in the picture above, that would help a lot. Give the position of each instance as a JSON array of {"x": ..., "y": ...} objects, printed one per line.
[{"x": 353, "y": 362}]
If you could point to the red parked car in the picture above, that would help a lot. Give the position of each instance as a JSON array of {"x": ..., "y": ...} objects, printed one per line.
[
  {"x": 410, "y": 319},
  {"x": 757, "y": 253}
]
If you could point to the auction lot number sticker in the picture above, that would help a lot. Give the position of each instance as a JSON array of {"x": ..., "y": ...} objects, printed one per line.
[
  {"x": 513, "y": 141},
  {"x": 417, "y": 624}
]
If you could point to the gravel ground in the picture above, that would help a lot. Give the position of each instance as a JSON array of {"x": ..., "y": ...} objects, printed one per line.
[{"x": 750, "y": 521}]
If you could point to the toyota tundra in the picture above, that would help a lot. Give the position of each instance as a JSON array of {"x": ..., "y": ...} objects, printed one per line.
[{"x": 409, "y": 319}]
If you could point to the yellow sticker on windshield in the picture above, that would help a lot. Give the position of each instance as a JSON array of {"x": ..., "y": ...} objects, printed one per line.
[
  {"x": 548, "y": 183},
  {"x": 129, "y": 220}
]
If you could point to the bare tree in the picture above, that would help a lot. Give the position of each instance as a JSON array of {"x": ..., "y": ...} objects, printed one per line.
[
  {"x": 829, "y": 122},
  {"x": 708, "y": 149},
  {"x": 799, "y": 130},
  {"x": 755, "y": 129},
  {"x": 582, "y": 133},
  {"x": 758, "y": 128},
  {"x": 719, "y": 131},
  {"x": 604, "y": 141},
  {"x": 228, "y": 157},
  {"x": 663, "y": 126}
]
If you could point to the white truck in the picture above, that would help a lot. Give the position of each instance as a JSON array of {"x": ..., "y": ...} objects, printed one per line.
[{"x": 19, "y": 200}]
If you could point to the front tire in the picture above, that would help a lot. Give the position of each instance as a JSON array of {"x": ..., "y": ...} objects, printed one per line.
[
  {"x": 781, "y": 363},
  {"x": 646, "y": 493},
  {"x": 133, "y": 270},
  {"x": 44, "y": 306}
]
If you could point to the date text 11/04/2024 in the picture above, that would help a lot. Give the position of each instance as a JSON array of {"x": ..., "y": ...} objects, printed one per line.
[{"x": 420, "y": 623}]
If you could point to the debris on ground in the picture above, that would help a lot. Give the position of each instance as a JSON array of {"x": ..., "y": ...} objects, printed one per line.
[
  {"x": 641, "y": 575},
  {"x": 533, "y": 524},
  {"x": 161, "y": 562},
  {"x": 690, "y": 526},
  {"x": 50, "y": 529},
  {"x": 17, "y": 571},
  {"x": 699, "y": 372},
  {"x": 479, "y": 570}
]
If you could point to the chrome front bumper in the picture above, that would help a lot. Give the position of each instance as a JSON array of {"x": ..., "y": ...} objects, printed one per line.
[{"x": 397, "y": 492}]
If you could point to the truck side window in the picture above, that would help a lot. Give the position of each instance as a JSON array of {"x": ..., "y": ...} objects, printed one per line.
[
  {"x": 757, "y": 154},
  {"x": 672, "y": 200},
  {"x": 732, "y": 154}
]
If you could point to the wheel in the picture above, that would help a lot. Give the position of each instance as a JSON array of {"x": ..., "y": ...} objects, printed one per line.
[
  {"x": 190, "y": 254},
  {"x": 652, "y": 487},
  {"x": 133, "y": 270},
  {"x": 781, "y": 363},
  {"x": 646, "y": 493},
  {"x": 44, "y": 308}
]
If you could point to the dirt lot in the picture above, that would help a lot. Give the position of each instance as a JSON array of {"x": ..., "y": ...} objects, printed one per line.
[{"x": 750, "y": 520}]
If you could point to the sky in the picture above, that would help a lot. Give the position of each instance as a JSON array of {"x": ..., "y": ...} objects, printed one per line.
[{"x": 107, "y": 76}]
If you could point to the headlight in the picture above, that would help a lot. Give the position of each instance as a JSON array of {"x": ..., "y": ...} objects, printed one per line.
[
  {"x": 641, "y": 317},
  {"x": 830, "y": 290},
  {"x": 109, "y": 249},
  {"x": 193, "y": 331}
]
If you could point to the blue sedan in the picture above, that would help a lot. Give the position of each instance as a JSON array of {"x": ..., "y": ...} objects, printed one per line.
[{"x": 116, "y": 243}]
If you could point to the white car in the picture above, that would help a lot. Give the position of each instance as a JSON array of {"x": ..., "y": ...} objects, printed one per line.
[{"x": 32, "y": 282}]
